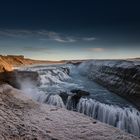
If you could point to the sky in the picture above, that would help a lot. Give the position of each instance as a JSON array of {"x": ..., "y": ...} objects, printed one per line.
[{"x": 70, "y": 29}]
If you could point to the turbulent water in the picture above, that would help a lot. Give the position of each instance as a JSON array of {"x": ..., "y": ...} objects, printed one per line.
[{"x": 100, "y": 104}]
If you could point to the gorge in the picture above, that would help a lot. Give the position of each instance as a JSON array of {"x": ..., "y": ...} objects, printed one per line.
[
  {"x": 73, "y": 87},
  {"x": 78, "y": 87}
]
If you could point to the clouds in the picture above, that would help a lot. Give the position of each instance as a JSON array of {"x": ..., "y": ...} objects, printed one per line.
[
  {"x": 43, "y": 35},
  {"x": 66, "y": 40},
  {"x": 60, "y": 37},
  {"x": 89, "y": 38}
]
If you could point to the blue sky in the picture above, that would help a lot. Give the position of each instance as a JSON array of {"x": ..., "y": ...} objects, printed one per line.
[{"x": 72, "y": 29}]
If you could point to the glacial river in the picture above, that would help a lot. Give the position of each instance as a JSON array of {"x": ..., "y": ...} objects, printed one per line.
[{"x": 100, "y": 104}]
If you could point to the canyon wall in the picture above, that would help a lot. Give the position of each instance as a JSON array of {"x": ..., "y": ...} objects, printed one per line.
[{"x": 119, "y": 76}]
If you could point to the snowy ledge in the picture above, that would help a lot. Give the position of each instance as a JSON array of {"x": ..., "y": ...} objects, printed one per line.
[{"x": 23, "y": 118}]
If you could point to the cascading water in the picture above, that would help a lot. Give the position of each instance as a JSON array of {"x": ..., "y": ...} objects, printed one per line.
[
  {"x": 127, "y": 119},
  {"x": 52, "y": 99},
  {"x": 100, "y": 104}
]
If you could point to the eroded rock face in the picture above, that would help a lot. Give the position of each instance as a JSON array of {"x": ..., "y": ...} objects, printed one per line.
[
  {"x": 19, "y": 60},
  {"x": 120, "y": 76},
  {"x": 22, "y": 118},
  {"x": 4, "y": 66}
]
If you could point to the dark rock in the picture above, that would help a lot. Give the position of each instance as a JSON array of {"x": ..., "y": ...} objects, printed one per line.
[
  {"x": 64, "y": 96},
  {"x": 80, "y": 93},
  {"x": 66, "y": 70},
  {"x": 75, "y": 97},
  {"x": 14, "y": 78}
]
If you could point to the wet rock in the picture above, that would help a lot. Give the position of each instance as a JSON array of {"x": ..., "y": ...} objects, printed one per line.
[
  {"x": 75, "y": 97},
  {"x": 66, "y": 70},
  {"x": 64, "y": 96}
]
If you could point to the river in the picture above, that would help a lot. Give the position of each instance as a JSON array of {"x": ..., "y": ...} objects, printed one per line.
[{"x": 100, "y": 104}]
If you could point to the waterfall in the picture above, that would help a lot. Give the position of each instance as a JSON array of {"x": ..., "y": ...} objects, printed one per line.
[
  {"x": 52, "y": 99},
  {"x": 70, "y": 105},
  {"x": 127, "y": 119},
  {"x": 55, "y": 100},
  {"x": 53, "y": 76},
  {"x": 56, "y": 80}
]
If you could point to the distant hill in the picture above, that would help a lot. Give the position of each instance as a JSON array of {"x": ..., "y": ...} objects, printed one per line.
[{"x": 7, "y": 62}]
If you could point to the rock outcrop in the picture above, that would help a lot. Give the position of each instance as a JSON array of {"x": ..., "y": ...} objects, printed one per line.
[
  {"x": 7, "y": 62},
  {"x": 71, "y": 99},
  {"x": 4, "y": 66},
  {"x": 8, "y": 75},
  {"x": 22, "y": 118},
  {"x": 120, "y": 76},
  {"x": 15, "y": 78}
]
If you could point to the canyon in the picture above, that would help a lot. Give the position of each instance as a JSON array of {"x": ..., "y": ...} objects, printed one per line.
[{"x": 32, "y": 118}]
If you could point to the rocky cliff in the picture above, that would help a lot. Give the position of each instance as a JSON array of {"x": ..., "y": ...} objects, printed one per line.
[
  {"x": 7, "y": 62},
  {"x": 120, "y": 76},
  {"x": 22, "y": 118},
  {"x": 4, "y": 66}
]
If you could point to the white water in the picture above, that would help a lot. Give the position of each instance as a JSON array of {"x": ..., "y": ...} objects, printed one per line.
[
  {"x": 127, "y": 119},
  {"x": 101, "y": 104},
  {"x": 52, "y": 100}
]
